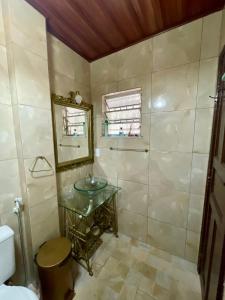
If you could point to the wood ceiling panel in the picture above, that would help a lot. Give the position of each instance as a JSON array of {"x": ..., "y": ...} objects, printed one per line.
[{"x": 95, "y": 28}]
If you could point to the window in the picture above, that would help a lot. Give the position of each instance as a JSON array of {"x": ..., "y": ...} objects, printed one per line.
[
  {"x": 122, "y": 113},
  {"x": 73, "y": 122}
]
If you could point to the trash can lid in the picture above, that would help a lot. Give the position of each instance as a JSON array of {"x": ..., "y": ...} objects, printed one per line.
[{"x": 53, "y": 252}]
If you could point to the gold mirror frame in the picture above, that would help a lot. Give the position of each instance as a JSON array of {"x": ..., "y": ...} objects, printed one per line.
[{"x": 63, "y": 101}]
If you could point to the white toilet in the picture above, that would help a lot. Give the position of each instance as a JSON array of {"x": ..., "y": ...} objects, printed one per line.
[{"x": 7, "y": 268}]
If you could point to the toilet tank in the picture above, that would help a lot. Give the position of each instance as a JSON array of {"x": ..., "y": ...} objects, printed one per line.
[{"x": 7, "y": 253}]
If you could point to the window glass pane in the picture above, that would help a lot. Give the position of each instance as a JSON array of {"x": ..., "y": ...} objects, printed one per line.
[
  {"x": 122, "y": 113},
  {"x": 73, "y": 121}
]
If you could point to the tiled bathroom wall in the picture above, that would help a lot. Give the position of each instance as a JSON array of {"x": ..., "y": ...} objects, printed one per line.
[
  {"x": 162, "y": 191},
  {"x": 68, "y": 72},
  {"x": 26, "y": 128}
]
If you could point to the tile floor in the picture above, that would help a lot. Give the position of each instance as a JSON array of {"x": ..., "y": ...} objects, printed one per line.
[{"x": 128, "y": 269}]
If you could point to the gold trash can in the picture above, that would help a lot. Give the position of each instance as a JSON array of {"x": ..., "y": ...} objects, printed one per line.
[{"x": 55, "y": 269}]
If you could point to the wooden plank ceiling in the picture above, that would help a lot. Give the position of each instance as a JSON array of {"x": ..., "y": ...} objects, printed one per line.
[{"x": 95, "y": 28}]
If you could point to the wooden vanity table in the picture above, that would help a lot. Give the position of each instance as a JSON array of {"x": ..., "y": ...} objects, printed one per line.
[{"x": 86, "y": 216}]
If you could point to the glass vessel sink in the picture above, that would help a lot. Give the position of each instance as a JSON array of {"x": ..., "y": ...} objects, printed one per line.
[{"x": 90, "y": 184}]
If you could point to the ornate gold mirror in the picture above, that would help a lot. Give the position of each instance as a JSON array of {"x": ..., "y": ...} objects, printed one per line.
[{"x": 73, "y": 131}]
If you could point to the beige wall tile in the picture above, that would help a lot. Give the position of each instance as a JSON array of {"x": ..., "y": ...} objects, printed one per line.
[
  {"x": 11, "y": 220},
  {"x": 177, "y": 46},
  {"x": 192, "y": 245},
  {"x": 168, "y": 205},
  {"x": 60, "y": 84},
  {"x": 41, "y": 188},
  {"x": 7, "y": 137},
  {"x": 9, "y": 185},
  {"x": 25, "y": 26},
  {"x": 222, "y": 39},
  {"x": 39, "y": 232},
  {"x": 5, "y": 97},
  {"x": 198, "y": 173},
  {"x": 203, "y": 128},
  {"x": 61, "y": 57},
  {"x": 106, "y": 164},
  {"x": 195, "y": 213},
  {"x": 82, "y": 70},
  {"x": 211, "y": 35},
  {"x": 43, "y": 211},
  {"x": 36, "y": 131},
  {"x": 2, "y": 30},
  {"x": 171, "y": 169},
  {"x": 172, "y": 131},
  {"x": 133, "y": 166},
  {"x": 166, "y": 237},
  {"x": 207, "y": 82},
  {"x": 129, "y": 65},
  {"x": 132, "y": 224},
  {"x": 32, "y": 78},
  {"x": 133, "y": 197},
  {"x": 143, "y": 82},
  {"x": 175, "y": 89},
  {"x": 104, "y": 70}
]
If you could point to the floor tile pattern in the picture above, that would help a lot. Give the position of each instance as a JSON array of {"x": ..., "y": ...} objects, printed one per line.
[{"x": 128, "y": 269}]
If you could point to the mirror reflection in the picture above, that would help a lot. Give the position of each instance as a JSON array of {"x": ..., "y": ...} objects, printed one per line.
[{"x": 71, "y": 133}]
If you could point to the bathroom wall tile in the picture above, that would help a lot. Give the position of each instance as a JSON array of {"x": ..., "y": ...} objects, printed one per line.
[
  {"x": 133, "y": 166},
  {"x": 11, "y": 220},
  {"x": 192, "y": 246},
  {"x": 32, "y": 78},
  {"x": 128, "y": 66},
  {"x": 222, "y": 39},
  {"x": 172, "y": 169},
  {"x": 177, "y": 46},
  {"x": 36, "y": 139},
  {"x": 143, "y": 82},
  {"x": 40, "y": 189},
  {"x": 195, "y": 213},
  {"x": 211, "y": 35},
  {"x": 25, "y": 26},
  {"x": 97, "y": 93},
  {"x": 62, "y": 58},
  {"x": 7, "y": 138},
  {"x": 43, "y": 211},
  {"x": 198, "y": 173},
  {"x": 39, "y": 232},
  {"x": 207, "y": 82},
  {"x": 203, "y": 128},
  {"x": 106, "y": 163},
  {"x": 175, "y": 89},
  {"x": 9, "y": 184},
  {"x": 132, "y": 224},
  {"x": 104, "y": 70},
  {"x": 166, "y": 237},
  {"x": 168, "y": 205},
  {"x": 2, "y": 30},
  {"x": 133, "y": 197},
  {"x": 172, "y": 131},
  {"x": 82, "y": 70},
  {"x": 5, "y": 97},
  {"x": 60, "y": 84}
]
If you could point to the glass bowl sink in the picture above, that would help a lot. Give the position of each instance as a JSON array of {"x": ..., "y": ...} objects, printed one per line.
[{"x": 90, "y": 184}]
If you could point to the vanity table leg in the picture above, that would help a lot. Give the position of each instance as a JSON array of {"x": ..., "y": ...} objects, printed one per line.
[{"x": 115, "y": 219}]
